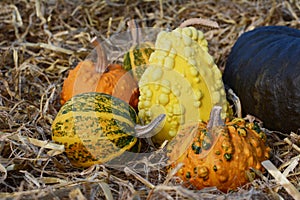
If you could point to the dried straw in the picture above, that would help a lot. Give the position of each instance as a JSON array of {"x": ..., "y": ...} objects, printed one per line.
[{"x": 41, "y": 40}]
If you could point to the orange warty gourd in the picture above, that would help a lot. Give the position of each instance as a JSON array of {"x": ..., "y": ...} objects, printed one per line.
[
  {"x": 218, "y": 154},
  {"x": 110, "y": 79}
]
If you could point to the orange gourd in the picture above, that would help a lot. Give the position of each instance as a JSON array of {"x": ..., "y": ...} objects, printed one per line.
[
  {"x": 110, "y": 79},
  {"x": 218, "y": 154}
]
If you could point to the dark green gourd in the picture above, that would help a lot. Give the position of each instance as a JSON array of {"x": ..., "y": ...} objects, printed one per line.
[{"x": 263, "y": 69}]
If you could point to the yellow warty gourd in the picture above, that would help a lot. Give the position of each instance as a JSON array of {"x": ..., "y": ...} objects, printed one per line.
[{"x": 182, "y": 81}]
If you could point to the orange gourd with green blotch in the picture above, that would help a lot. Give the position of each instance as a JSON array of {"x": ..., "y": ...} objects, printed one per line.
[{"x": 218, "y": 154}]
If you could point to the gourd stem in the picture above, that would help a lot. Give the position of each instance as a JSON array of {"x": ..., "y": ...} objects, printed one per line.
[
  {"x": 215, "y": 119},
  {"x": 150, "y": 129},
  {"x": 200, "y": 21},
  {"x": 135, "y": 31},
  {"x": 236, "y": 102},
  {"x": 102, "y": 62}
]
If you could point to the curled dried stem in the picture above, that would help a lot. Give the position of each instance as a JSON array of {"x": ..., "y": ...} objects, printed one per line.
[
  {"x": 200, "y": 21},
  {"x": 102, "y": 61},
  {"x": 236, "y": 101},
  {"x": 151, "y": 129}
]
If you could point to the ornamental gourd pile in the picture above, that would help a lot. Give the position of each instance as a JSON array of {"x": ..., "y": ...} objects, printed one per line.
[{"x": 106, "y": 107}]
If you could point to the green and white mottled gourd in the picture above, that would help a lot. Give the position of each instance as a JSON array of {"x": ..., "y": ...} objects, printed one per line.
[
  {"x": 97, "y": 128},
  {"x": 137, "y": 58},
  {"x": 182, "y": 81}
]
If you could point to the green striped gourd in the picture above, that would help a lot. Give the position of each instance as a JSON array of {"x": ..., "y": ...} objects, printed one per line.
[
  {"x": 137, "y": 58},
  {"x": 95, "y": 128}
]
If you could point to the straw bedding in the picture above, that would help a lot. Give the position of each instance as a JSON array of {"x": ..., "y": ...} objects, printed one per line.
[{"x": 41, "y": 40}]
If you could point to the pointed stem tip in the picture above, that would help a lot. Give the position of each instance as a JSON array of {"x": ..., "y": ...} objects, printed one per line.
[{"x": 215, "y": 119}]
